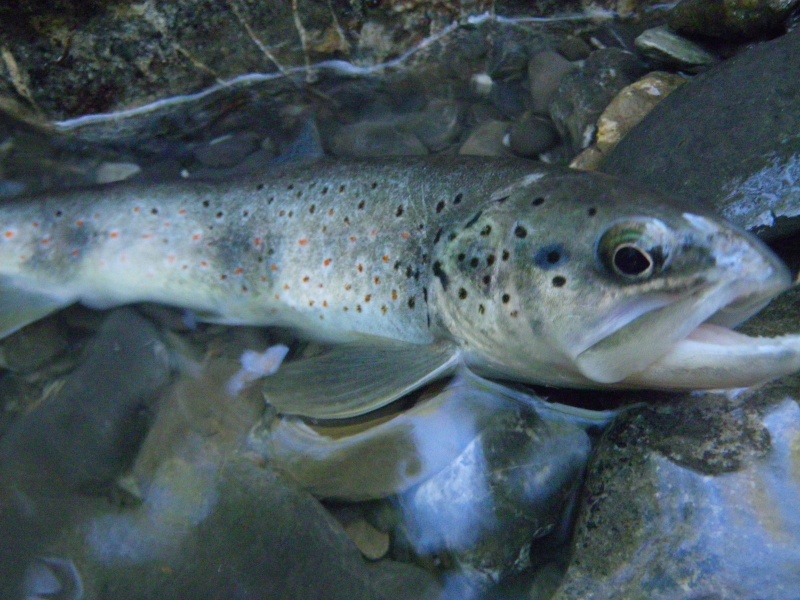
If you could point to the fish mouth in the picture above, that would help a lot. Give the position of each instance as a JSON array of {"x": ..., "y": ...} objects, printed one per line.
[{"x": 689, "y": 343}]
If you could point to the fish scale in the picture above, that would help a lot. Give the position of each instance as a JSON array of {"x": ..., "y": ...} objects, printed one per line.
[{"x": 413, "y": 268}]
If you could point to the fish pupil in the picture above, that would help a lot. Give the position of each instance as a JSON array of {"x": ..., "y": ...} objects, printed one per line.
[{"x": 632, "y": 262}]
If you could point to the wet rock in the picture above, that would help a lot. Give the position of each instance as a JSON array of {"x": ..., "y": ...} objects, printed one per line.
[
  {"x": 33, "y": 346},
  {"x": 228, "y": 150},
  {"x": 730, "y": 19},
  {"x": 437, "y": 126},
  {"x": 510, "y": 98},
  {"x": 665, "y": 47},
  {"x": 509, "y": 486},
  {"x": 214, "y": 522},
  {"x": 88, "y": 432},
  {"x": 631, "y": 105},
  {"x": 728, "y": 138},
  {"x": 77, "y": 440},
  {"x": 573, "y": 48},
  {"x": 487, "y": 140},
  {"x": 583, "y": 95},
  {"x": 373, "y": 544},
  {"x": 366, "y": 139},
  {"x": 531, "y": 135},
  {"x": 109, "y": 172},
  {"x": 545, "y": 71},
  {"x": 691, "y": 499}
]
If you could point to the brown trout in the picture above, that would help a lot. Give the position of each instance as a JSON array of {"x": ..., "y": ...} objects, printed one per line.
[{"x": 411, "y": 267}]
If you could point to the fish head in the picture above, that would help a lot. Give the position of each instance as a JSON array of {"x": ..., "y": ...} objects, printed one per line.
[{"x": 582, "y": 279}]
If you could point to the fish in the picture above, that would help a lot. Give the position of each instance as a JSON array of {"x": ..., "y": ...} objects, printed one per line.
[{"x": 409, "y": 268}]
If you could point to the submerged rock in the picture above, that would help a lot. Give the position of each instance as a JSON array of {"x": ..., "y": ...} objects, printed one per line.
[
  {"x": 730, "y": 137},
  {"x": 730, "y": 19},
  {"x": 672, "y": 509}
]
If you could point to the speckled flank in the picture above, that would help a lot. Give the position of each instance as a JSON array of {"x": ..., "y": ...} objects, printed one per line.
[{"x": 337, "y": 250}]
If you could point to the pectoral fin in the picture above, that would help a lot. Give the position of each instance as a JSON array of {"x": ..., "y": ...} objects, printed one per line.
[
  {"x": 354, "y": 379},
  {"x": 19, "y": 307}
]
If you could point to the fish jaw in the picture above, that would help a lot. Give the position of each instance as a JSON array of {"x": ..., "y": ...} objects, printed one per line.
[
  {"x": 714, "y": 357},
  {"x": 687, "y": 344}
]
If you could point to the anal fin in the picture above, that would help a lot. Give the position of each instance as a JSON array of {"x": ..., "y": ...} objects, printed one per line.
[
  {"x": 356, "y": 378},
  {"x": 19, "y": 307}
]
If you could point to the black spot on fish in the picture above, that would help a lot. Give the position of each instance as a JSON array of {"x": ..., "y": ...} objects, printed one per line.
[
  {"x": 551, "y": 256},
  {"x": 461, "y": 257},
  {"x": 487, "y": 279},
  {"x": 361, "y": 205},
  {"x": 537, "y": 201},
  {"x": 462, "y": 293},
  {"x": 501, "y": 200},
  {"x": 559, "y": 281},
  {"x": 270, "y": 200},
  {"x": 342, "y": 188},
  {"x": 412, "y": 302},
  {"x": 505, "y": 298},
  {"x": 592, "y": 211},
  {"x": 206, "y": 203},
  {"x": 506, "y": 254},
  {"x": 397, "y": 265},
  {"x": 153, "y": 211},
  {"x": 409, "y": 271},
  {"x": 481, "y": 309},
  {"x": 452, "y": 236},
  {"x": 490, "y": 260},
  {"x": 520, "y": 232},
  {"x": 473, "y": 220},
  {"x": 59, "y": 214},
  {"x": 440, "y": 206},
  {"x": 245, "y": 214},
  {"x": 219, "y": 215},
  {"x": 458, "y": 198},
  {"x": 474, "y": 262},
  {"x": 486, "y": 230},
  {"x": 399, "y": 212},
  {"x": 290, "y": 186},
  {"x": 259, "y": 187},
  {"x": 324, "y": 190},
  {"x": 438, "y": 236},
  {"x": 312, "y": 208},
  {"x": 439, "y": 272},
  {"x": 374, "y": 185},
  {"x": 425, "y": 293}
]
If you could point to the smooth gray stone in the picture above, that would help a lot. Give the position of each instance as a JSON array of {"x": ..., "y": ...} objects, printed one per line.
[{"x": 729, "y": 138}]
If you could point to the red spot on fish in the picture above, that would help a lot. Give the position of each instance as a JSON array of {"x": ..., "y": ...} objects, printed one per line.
[
  {"x": 238, "y": 271},
  {"x": 360, "y": 268},
  {"x": 196, "y": 237},
  {"x": 305, "y": 279},
  {"x": 325, "y": 303},
  {"x": 203, "y": 264},
  {"x": 137, "y": 210},
  {"x": 330, "y": 212},
  {"x": 385, "y": 258},
  {"x": 377, "y": 281},
  {"x": 257, "y": 242},
  {"x": 35, "y": 224},
  {"x": 76, "y": 253},
  {"x": 114, "y": 235},
  {"x": 171, "y": 258},
  {"x": 327, "y": 262},
  {"x": 79, "y": 223},
  {"x": 264, "y": 278},
  {"x": 167, "y": 224},
  {"x": 374, "y": 233},
  {"x": 23, "y": 257},
  {"x": 182, "y": 211},
  {"x": 45, "y": 241},
  {"x": 147, "y": 236},
  {"x": 9, "y": 235},
  {"x": 303, "y": 242},
  {"x": 274, "y": 267},
  {"x": 352, "y": 238},
  {"x": 406, "y": 235},
  {"x": 394, "y": 294},
  {"x": 286, "y": 286}
]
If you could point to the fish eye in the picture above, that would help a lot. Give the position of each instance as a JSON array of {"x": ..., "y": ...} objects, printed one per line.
[{"x": 634, "y": 250}]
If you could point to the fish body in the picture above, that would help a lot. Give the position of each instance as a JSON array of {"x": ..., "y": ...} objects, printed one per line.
[{"x": 411, "y": 267}]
